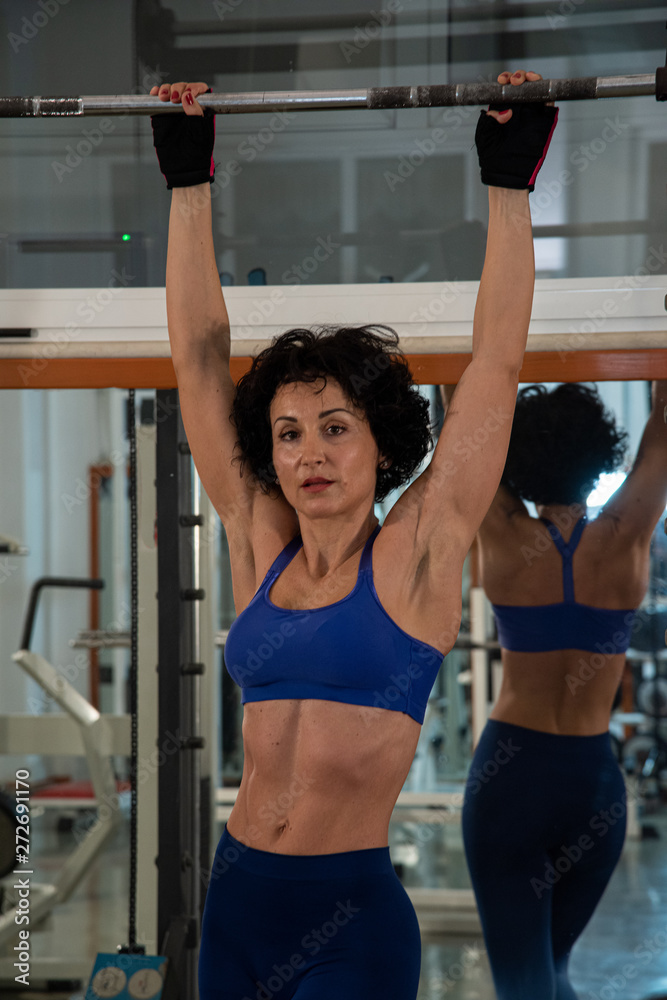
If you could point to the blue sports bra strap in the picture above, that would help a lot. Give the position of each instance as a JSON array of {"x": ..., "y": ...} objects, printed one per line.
[
  {"x": 575, "y": 537},
  {"x": 285, "y": 557},
  {"x": 365, "y": 563},
  {"x": 555, "y": 535},
  {"x": 567, "y": 550}
]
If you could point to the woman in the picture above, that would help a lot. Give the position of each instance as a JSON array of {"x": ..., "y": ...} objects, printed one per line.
[
  {"x": 341, "y": 627},
  {"x": 545, "y": 804}
]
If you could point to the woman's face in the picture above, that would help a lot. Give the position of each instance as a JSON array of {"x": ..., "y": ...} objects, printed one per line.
[{"x": 324, "y": 452}]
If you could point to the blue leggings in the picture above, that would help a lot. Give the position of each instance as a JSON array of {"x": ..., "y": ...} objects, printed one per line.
[
  {"x": 308, "y": 927},
  {"x": 543, "y": 828}
]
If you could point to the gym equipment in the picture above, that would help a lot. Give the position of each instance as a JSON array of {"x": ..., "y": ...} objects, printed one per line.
[
  {"x": 143, "y": 975},
  {"x": 100, "y": 741},
  {"x": 590, "y": 88},
  {"x": 126, "y": 977},
  {"x": 652, "y": 697},
  {"x": 10, "y": 546}
]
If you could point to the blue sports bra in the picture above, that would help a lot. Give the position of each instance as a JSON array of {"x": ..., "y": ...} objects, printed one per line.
[
  {"x": 567, "y": 625},
  {"x": 350, "y": 651}
]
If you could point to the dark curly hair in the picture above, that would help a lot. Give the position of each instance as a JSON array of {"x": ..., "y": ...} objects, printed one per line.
[
  {"x": 562, "y": 441},
  {"x": 373, "y": 373}
]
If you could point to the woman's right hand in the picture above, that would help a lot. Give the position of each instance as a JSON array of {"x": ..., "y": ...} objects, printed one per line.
[{"x": 184, "y": 143}]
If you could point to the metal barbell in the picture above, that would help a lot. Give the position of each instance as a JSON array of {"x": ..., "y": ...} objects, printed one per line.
[{"x": 374, "y": 98}]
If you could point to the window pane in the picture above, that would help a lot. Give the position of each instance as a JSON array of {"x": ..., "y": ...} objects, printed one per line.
[{"x": 392, "y": 194}]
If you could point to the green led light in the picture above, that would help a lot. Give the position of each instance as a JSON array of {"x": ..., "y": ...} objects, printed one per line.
[{"x": 126, "y": 237}]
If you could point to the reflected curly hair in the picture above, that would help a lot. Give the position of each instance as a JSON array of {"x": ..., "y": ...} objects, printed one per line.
[
  {"x": 562, "y": 441},
  {"x": 373, "y": 373}
]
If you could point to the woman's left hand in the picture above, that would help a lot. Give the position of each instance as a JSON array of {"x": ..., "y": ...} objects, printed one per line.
[
  {"x": 511, "y": 157},
  {"x": 515, "y": 79}
]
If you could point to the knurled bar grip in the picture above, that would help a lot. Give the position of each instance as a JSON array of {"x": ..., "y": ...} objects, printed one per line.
[
  {"x": 375, "y": 98},
  {"x": 40, "y": 107}
]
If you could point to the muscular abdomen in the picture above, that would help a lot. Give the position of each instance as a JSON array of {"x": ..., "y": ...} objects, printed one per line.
[{"x": 320, "y": 776}]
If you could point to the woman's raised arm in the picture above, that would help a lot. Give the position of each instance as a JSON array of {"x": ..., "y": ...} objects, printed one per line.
[
  {"x": 199, "y": 331},
  {"x": 639, "y": 502},
  {"x": 453, "y": 494},
  {"x": 196, "y": 313}
]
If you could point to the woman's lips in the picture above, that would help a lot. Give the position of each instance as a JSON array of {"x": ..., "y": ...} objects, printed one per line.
[{"x": 317, "y": 486}]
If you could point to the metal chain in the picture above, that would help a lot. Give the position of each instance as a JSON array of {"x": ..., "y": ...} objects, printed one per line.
[{"x": 134, "y": 632}]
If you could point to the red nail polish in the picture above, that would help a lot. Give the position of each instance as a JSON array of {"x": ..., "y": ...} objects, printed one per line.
[
  {"x": 174, "y": 94},
  {"x": 188, "y": 99}
]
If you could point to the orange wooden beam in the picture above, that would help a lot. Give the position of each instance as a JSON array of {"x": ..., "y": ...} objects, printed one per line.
[{"x": 427, "y": 369}]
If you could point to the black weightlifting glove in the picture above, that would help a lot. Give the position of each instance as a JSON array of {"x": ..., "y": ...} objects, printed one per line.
[
  {"x": 511, "y": 153},
  {"x": 184, "y": 147}
]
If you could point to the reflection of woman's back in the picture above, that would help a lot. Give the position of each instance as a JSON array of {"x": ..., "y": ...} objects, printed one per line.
[
  {"x": 544, "y": 833},
  {"x": 564, "y": 592},
  {"x": 565, "y": 589}
]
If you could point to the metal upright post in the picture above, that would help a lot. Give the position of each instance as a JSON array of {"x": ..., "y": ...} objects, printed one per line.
[{"x": 179, "y": 738}]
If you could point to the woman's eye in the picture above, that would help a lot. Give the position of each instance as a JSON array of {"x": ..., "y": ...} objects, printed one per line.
[
  {"x": 335, "y": 428},
  {"x": 286, "y": 436}
]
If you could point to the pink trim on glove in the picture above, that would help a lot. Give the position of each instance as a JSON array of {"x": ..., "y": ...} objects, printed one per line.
[
  {"x": 536, "y": 171},
  {"x": 212, "y": 168}
]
